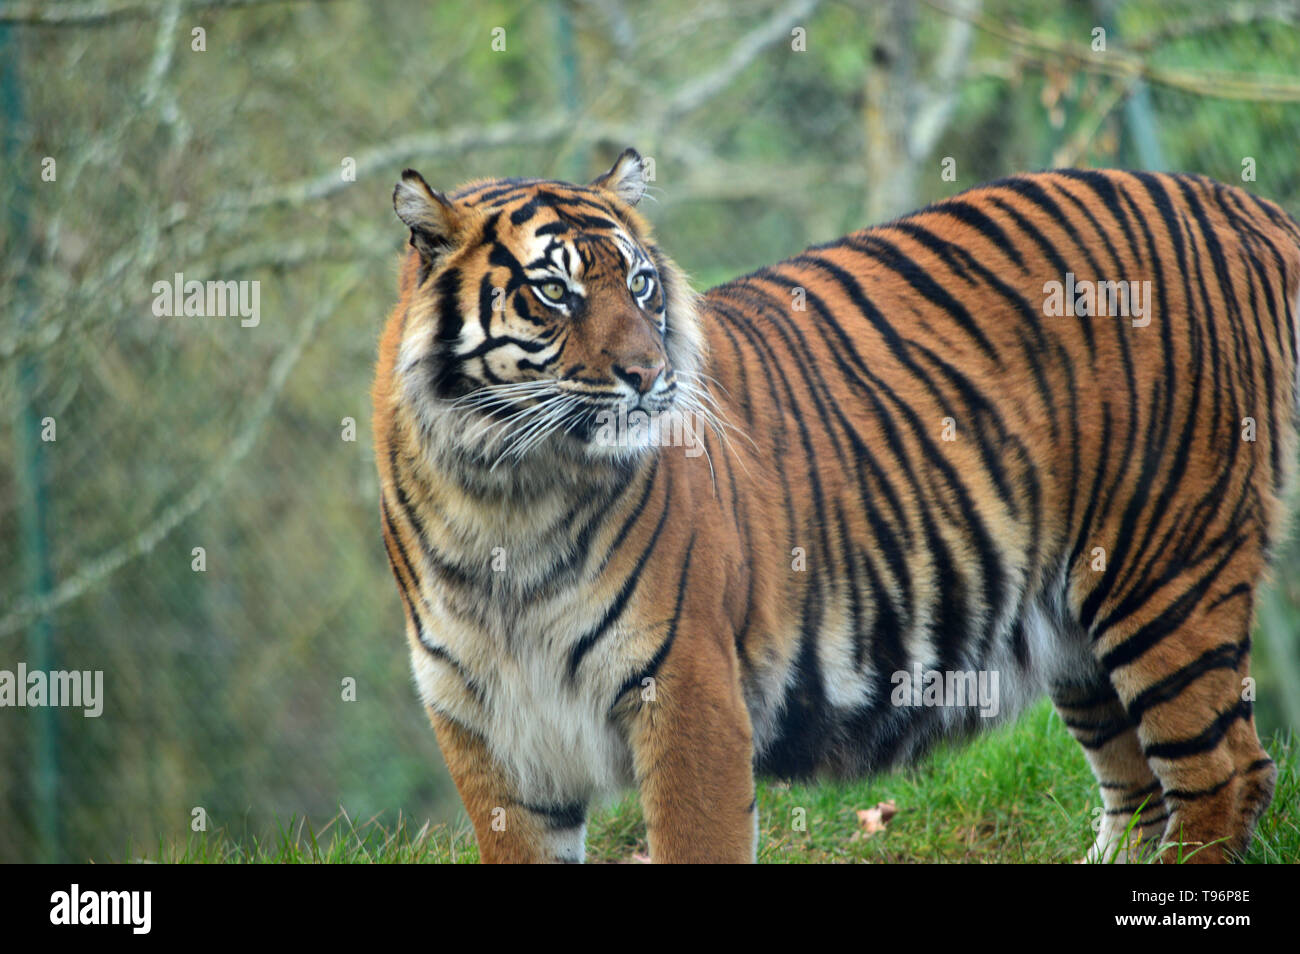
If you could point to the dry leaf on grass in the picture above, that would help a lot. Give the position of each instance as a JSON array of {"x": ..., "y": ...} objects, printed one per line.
[{"x": 872, "y": 820}]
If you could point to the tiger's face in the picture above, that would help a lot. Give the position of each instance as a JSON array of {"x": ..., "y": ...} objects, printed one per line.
[{"x": 541, "y": 313}]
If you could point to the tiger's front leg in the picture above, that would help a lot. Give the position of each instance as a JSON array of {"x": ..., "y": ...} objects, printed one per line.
[
  {"x": 509, "y": 830},
  {"x": 692, "y": 752}
]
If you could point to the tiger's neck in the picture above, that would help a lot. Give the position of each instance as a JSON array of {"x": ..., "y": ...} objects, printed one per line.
[{"x": 506, "y": 529}]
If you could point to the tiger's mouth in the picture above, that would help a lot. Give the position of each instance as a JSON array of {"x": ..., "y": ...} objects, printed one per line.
[
  {"x": 523, "y": 423},
  {"x": 623, "y": 412},
  {"x": 505, "y": 423},
  {"x": 656, "y": 402}
]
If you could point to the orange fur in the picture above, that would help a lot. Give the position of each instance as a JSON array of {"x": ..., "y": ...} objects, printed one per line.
[{"x": 651, "y": 624}]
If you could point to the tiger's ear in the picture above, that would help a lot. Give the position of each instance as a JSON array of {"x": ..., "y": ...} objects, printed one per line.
[
  {"x": 430, "y": 216},
  {"x": 626, "y": 178}
]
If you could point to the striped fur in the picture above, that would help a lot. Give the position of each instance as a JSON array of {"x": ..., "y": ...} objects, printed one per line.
[{"x": 908, "y": 466}]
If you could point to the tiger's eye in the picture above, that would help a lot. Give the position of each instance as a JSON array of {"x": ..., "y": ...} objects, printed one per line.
[
  {"x": 554, "y": 291},
  {"x": 638, "y": 284}
]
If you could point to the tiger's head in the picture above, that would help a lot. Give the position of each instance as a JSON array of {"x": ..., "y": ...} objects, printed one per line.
[{"x": 537, "y": 312}]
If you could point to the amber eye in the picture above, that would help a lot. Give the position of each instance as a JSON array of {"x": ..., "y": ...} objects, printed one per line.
[
  {"x": 638, "y": 284},
  {"x": 554, "y": 291}
]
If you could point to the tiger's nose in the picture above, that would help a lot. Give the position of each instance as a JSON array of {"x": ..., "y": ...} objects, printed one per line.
[{"x": 641, "y": 378}]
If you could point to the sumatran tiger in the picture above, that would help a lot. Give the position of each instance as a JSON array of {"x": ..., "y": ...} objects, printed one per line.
[{"x": 1033, "y": 438}]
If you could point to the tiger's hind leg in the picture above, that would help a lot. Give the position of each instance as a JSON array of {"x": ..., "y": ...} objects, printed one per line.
[
  {"x": 1181, "y": 678},
  {"x": 1129, "y": 788}
]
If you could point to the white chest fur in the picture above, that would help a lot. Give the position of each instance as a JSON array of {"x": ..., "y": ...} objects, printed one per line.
[{"x": 551, "y": 733}]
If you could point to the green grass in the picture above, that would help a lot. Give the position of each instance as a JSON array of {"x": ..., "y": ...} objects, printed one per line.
[{"x": 1022, "y": 793}]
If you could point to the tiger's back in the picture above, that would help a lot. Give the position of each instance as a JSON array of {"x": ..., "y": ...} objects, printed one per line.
[
  {"x": 930, "y": 491},
  {"x": 968, "y": 480}
]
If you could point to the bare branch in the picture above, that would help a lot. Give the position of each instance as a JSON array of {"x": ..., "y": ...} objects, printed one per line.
[
  {"x": 534, "y": 132},
  {"x": 1070, "y": 153},
  {"x": 94, "y": 572},
  {"x": 103, "y": 12},
  {"x": 696, "y": 93},
  {"x": 950, "y": 66},
  {"x": 406, "y": 149},
  {"x": 1237, "y": 15},
  {"x": 279, "y": 255},
  {"x": 1121, "y": 65}
]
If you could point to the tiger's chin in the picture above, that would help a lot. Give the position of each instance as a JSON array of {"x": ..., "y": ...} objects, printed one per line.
[
  {"x": 614, "y": 443},
  {"x": 626, "y": 434}
]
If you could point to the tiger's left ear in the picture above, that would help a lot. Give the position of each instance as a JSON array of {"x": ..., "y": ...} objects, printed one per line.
[
  {"x": 433, "y": 220},
  {"x": 626, "y": 179}
]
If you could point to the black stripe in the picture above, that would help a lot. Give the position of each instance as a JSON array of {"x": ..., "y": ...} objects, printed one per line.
[
  {"x": 1221, "y": 657},
  {"x": 961, "y": 209},
  {"x": 1101, "y": 732},
  {"x": 1158, "y": 424},
  {"x": 1188, "y": 795},
  {"x": 1033, "y": 341},
  {"x": 615, "y": 609},
  {"x": 954, "y": 620},
  {"x": 861, "y": 454},
  {"x": 1030, "y": 190},
  {"x": 1097, "y": 228},
  {"x": 559, "y": 817},
  {"x": 820, "y": 524},
  {"x": 1241, "y": 589},
  {"x": 651, "y": 669},
  {"x": 1174, "y": 616},
  {"x": 1103, "y": 186},
  {"x": 1143, "y": 806},
  {"x": 922, "y": 282},
  {"x": 1202, "y": 742},
  {"x": 435, "y": 651}
]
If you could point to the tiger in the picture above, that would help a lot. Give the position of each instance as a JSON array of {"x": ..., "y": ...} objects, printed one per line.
[{"x": 1035, "y": 438}]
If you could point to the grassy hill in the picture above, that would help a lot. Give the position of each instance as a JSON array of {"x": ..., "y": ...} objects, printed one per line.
[{"x": 1020, "y": 794}]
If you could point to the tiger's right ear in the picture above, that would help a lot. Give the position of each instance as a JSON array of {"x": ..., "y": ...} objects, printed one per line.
[{"x": 430, "y": 216}]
